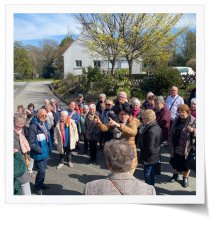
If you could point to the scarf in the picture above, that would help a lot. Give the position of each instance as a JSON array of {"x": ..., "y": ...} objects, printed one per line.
[
  {"x": 23, "y": 141},
  {"x": 62, "y": 131},
  {"x": 135, "y": 112}
]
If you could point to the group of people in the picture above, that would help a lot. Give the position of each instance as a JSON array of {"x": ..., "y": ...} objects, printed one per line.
[{"x": 119, "y": 127}]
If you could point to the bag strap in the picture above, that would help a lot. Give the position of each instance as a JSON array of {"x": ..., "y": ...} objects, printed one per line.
[
  {"x": 173, "y": 103},
  {"x": 114, "y": 184}
]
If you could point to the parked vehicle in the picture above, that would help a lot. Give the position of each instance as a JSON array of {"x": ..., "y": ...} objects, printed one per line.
[{"x": 184, "y": 70}]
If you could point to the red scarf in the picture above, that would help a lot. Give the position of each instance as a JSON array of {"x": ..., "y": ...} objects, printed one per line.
[
  {"x": 62, "y": 131},
  {"x": 135, "y": 112}
]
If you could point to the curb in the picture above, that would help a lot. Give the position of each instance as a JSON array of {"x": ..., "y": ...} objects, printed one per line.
[{"x": 57, "y": 95}]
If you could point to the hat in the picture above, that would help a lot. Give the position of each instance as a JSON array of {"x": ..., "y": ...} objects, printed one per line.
[{"x": 80, "y": 95}]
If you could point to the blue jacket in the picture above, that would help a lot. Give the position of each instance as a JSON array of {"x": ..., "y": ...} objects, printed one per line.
[
  {"x": 74, "y": 117},
  {"x": 40, "y": 147}
]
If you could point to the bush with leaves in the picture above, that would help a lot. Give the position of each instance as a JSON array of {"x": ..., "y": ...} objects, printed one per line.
[{"x": 161, "y": 80}]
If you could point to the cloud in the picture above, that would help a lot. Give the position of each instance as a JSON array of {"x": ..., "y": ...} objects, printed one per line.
[{"x": 30, "y": 26}]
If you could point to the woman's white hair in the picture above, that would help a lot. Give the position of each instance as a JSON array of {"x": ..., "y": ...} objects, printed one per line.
[
  {"x": 193, "y": 100},
  {"x": 64, "y": 113},
  {"x": 160, "y": 99},
  {"x": 92, "y": 106},
  {"x": 135, "y": 101},
  {"x": 102, "y": 96}
]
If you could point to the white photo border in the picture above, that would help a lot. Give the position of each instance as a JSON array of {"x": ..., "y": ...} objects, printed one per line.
[{"x": 199, "y": 198}]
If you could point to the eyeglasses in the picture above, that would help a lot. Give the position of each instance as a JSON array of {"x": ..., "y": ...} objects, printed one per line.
[{"x": 43, "y": 116}]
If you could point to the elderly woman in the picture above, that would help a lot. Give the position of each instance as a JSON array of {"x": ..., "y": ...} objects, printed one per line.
[
  {"x": 182, "y": 136},
  {"x": 65, "y": 136},
  {"x": 81, "y": 127},
  {"x": 193, "y": 107},
  {"x": 125, "y": 127},
  {"x": 149, "y": 102},
  {"x": 150, "y": 141},
  {"x": 163, "y": 117},
  {"x": 101, "y": 103},
  {"x": 21, "y": 144},
  {"x": 119, "y": 156},
  {"x": 92, "y": 134},
  {"x": 121, "y": 100},
  {"x": 136, "y": 110}
]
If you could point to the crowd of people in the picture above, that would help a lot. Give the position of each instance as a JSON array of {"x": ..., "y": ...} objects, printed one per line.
[{"x": 119, "y": 127}]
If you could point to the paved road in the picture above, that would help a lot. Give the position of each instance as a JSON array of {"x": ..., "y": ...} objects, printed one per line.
[{"x": 71, "y": 181}]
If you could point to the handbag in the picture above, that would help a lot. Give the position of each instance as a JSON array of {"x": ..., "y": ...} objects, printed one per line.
[
  {"x": 27, "y": 160},
  {"x": 191, "y": 159}
]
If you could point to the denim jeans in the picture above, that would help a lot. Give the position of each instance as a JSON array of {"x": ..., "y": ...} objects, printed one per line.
[
  {"x": 41, "y": 168},
  {"x": 149, "y": 174}
]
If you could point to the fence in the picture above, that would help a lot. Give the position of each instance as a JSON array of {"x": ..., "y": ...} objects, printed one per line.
[{"x": 186, "y": 80}]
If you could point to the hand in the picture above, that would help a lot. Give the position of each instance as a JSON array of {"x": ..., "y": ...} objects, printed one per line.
[
  {"x": 113, "y": 123},
  {"x": 96, "y": 120},
  {"x": 15, "y": 150},
  {"x": 190, "y": 129}
]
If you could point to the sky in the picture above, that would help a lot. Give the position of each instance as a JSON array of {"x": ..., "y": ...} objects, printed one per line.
[{"x": 31, "y": 28}]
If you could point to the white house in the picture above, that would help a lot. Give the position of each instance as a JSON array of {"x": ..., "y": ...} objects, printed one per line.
[{"x": 78, "y": 56}]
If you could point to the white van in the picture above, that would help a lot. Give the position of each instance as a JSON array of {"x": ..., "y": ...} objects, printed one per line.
[{"x": 184, "y": 70}]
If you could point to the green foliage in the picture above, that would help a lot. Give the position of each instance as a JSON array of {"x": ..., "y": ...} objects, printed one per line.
[
  {"x": 94, "y": 74},
  {"x": 23, "y": 68},
  {"x": 161, "y": 80},
  {"x": 192, "y": 63}
]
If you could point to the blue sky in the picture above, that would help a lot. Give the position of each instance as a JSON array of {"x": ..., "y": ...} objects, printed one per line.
[{"x": 31, "y": 28}]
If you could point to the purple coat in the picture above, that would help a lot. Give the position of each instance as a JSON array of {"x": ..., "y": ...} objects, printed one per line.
[{"x": 163, "y": 118}]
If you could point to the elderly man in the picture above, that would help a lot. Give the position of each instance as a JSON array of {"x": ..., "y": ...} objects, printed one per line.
[
  {"x": 101, "y": 103},
  {"x": 119, "y": 156},
  {"x": 163, "y": 117},
  {"x": 40, "y": 144},
  {"x": 121, "y": 100},
  {"x": 66, "y": 137},
  {"x": 173, "y": 102}
]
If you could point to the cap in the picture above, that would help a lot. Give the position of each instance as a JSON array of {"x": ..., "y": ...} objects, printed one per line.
[{"x": 80, "y": 95}]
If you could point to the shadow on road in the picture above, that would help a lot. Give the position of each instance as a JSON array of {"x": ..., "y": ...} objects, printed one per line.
[{"x": 86, "y": 178}]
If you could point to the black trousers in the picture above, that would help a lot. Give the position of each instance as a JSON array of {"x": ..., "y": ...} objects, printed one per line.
[
  {"x": 67, "y": 155},
  {"x": 93, "y": 149}
]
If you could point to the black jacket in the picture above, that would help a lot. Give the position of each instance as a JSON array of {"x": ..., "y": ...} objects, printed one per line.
[{"x": 150, "y": 141}]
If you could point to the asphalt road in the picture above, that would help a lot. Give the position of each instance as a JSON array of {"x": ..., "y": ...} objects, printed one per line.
[{"x": 71, "y": 181}]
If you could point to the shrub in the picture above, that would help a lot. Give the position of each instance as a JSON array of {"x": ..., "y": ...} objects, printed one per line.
[{"x": 161, "y": 80}]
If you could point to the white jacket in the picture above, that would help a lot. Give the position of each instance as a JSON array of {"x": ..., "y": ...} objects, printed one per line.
[{"x": 73, "y": 138}]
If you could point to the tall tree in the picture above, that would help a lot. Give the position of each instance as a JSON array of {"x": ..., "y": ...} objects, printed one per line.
[
  {"x": 22, "y": 63},
  {"x": 148, "y": 37},
  {"x": 101, "y": 35},
  {"x": 132, "y": 36},
  {"x": 48, "y": 53}
]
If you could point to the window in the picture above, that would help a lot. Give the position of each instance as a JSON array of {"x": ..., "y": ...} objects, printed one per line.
[
  {"x": 78, "y": 63},
  {"x": 97, "y": 63}
]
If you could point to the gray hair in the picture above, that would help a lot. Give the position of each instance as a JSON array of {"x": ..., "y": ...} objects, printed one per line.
[
  {"x": 92, "y": 106},
  {"x": 64, "y": 113},
  {"x": 135, "y": 101},
  {"x": 19, "y": 117},
  {"x": 122, "y": 92},
  {"x": 160, "y": 99},
  {"x": 53, "y": 100},
  {"x": 86, "y": 107},
  {"x": 119, "y": 155},
  {"x": 102, "y": 96},
  {"x": 193, "y": 100},
  {"x": 149, "y": 94}
]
